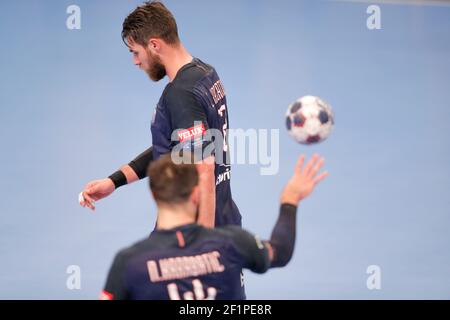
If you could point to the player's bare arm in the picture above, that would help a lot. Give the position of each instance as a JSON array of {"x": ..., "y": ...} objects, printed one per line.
[{"x": 207, "y": 186}]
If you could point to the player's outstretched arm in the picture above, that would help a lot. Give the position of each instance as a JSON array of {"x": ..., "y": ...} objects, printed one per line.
[
  {"x": 300, "y": 186},
  {"x": 99, "y": 189}
]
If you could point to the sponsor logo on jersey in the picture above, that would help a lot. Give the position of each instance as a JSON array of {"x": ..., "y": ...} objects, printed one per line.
[
  {"x": 225, "y": 176},
  {"x": 191, "y": 133}
]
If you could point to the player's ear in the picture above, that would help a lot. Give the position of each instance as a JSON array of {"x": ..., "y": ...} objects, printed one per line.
[{"x": 154, "y": 45}]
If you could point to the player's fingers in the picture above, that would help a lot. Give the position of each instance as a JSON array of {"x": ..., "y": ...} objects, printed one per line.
[
  {"x": 316, "y": 167},
  {"x": 89, "y": 201},
  {"x": 95, "y": 197},
  {"x": 299, "y": 165},
  {"x": 81, "y": 199},
  {"x": 310, "y": 164},
  {"x": 320, "y": 177},
  {"x": 94, "y": 192}
]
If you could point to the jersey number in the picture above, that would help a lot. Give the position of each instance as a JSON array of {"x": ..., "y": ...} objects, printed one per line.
[
  {"x": 196, "y": 294},
  {"x": 221, "y": 112}
]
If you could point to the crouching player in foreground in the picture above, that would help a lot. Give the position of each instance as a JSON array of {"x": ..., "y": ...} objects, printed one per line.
[{"x": 183, "y": 260}]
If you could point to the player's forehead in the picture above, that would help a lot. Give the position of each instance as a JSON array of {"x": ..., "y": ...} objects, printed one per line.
[{"x": 133, "y": 46}]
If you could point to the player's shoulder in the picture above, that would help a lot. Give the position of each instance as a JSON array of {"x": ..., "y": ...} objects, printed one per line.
[
  {"x": 189, "y": 75},
  {"x": 234, "y": 233},
  {"x": 229, "y": 229},
  {"x": 248, "y": 246},
  {"x": 127, "y": 252}
]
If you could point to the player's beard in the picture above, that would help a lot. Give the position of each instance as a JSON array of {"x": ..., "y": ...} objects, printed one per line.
[{"x": 156, "y": 70}]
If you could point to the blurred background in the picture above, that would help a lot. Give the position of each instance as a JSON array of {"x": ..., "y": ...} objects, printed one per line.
[{"x": 74, "y": 108}]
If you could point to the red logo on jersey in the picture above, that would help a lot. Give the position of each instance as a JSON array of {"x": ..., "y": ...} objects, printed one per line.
[
  {"x": 105, "y": 295},
  {"x": 191, "y": 133}
]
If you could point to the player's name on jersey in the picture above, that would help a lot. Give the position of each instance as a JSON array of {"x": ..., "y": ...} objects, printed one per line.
[
  {"x": 184, "y": 267},
  {"x": 217, "y": 91}
]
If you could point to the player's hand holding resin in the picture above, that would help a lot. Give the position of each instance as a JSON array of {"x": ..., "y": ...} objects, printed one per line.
[
  {"x": 96, "y": 190},
  {"x": 304, "y": 180}
]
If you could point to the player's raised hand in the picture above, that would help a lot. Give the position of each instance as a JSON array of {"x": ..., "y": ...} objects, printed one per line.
[
  {"x": 304, "y": 180},
  {"x": 95, "y": 190}
]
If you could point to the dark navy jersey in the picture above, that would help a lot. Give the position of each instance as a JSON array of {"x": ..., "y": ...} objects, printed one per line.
[
  {"x": 186, "y": 263},
  {"x": 190, "y": 105}
]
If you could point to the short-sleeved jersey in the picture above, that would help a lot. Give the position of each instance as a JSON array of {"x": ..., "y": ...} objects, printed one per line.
[
  {"x": 184, "y": 263},
  {"x": 191, "y": 104}
]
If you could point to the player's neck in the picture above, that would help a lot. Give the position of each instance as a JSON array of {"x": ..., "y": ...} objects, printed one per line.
[
  {"x": 175, "y": 60},
  {"x": 173, "y": 217}
]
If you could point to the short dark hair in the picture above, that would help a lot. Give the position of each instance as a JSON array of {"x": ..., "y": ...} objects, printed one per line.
[
  {"x": 151, "y": 19},
  {"x": 171, "y": 183}
]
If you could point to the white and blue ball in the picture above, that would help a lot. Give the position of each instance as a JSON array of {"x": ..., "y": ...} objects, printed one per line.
[{"x": 309, "y": 120}]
